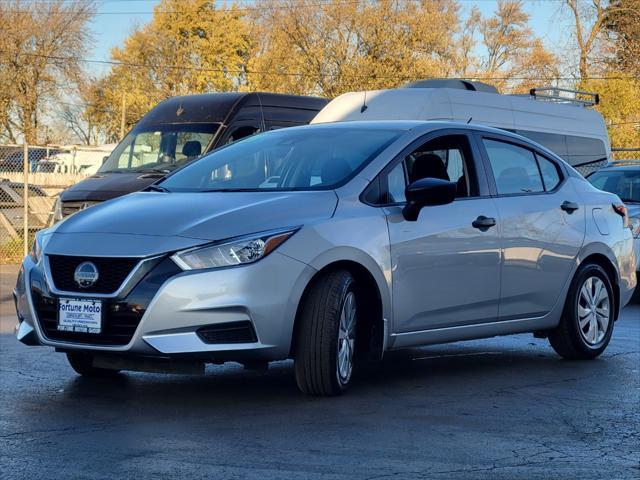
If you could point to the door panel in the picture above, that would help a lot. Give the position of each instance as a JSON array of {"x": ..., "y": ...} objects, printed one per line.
[
  {"x": 540, "y": 244},
  {"x": 445, "y": 272},
  {"x": 540, "y": 241}
]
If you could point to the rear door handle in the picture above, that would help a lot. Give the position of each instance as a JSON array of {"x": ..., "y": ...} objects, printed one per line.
[
  {"x": 569, "y": 207},
  {"x": 484, "y": 223}
]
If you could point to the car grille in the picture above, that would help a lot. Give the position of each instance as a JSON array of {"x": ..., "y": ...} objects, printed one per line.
[
  {"x": 119, "y": 321},
  {"x": 230, "y": 332},
  {"x": 111, "y": 272},
  {"x": 69, "y": 208},
  {"x": 120, "y": 317}
]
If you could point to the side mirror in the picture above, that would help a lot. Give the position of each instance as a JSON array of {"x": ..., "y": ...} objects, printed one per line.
[{"x": 427, "y": 192}]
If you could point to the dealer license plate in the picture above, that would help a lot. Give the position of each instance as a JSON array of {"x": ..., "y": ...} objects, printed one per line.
[{"x": 79, "y": 315}]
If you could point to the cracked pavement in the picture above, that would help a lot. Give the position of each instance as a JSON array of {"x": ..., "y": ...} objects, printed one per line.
[{"x": 501, "y": 408}]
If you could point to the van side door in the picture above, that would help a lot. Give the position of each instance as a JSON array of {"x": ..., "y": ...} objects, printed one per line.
[
  {"x": 542, "y": 224},
  {"x": 446, "y": 265}
]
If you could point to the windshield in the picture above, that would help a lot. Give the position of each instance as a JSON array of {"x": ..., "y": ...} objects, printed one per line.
[
  {"x": 159, "y": 147},
  {"x": 308, "y": 158},
  {"x": 624, "y": 183}
]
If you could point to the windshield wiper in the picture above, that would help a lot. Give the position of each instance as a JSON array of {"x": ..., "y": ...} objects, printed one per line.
[
  {"x": 156, "y": 188},
  {"x": 629, "y": 200},
  {"x": 235, "y": 190},
  {"x": 152, "y": 170}
]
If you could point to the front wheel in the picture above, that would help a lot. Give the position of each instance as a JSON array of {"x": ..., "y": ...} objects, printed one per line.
[
  {"x": 325, "y": 340},
  {"x": 587, "y": 320}
]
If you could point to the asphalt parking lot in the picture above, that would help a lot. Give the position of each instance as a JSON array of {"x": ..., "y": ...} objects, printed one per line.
[{"x": 502, "y": 408}]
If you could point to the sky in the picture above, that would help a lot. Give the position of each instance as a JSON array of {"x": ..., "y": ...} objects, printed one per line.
[{"x": 117, "y": 18}]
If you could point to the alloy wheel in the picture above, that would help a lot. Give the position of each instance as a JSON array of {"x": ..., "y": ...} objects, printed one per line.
[
  {"x": 346, "y": 339},
  {"x": 593, "y": 310}
]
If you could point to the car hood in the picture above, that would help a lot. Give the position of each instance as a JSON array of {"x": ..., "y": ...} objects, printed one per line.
[
  {"x": 105, "y": 186},
  {"x": 147, "y": 223}
]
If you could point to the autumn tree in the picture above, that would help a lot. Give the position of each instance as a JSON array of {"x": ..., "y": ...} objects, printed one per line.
[
  {"x": 40, "y": 43},
  {"x": 309, "y": 47},
  {"x": 589, "y": 21},
  {"x": 622, "y": 24},
  {"x": 512, "y": 49},
  {"x": 620, "y": 106},
  {"x": 80, "y": 117},
  {"x": 190, "y": 46}
]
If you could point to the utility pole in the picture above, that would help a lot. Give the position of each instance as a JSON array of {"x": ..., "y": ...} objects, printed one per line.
[
  {"x": 122, "y": 116},
  {"x": 25, "y": 198}
]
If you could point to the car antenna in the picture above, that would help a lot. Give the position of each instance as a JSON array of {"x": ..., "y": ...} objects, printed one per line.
[
  {"x": 469, "y": 121},
  {"x": 180, "y": 110},
  {"x": 364, "y": 104}
]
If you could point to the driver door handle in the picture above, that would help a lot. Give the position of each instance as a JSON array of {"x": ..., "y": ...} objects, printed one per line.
[
  {"x": 569, "y": 207},
  {"x": 484, "y": 223}
]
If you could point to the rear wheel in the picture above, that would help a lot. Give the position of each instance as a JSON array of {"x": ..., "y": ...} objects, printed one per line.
[
  {"x": 325, "y": 341},
  {"x": 82, "y": 363},
  {"x": 587, "y": 320}
]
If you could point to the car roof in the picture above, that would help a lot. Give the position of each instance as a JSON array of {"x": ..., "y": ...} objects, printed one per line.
[
  {"x": 425, "y": 125},
  {"x": 623, "y": 167},
  {"x": 215, "y": 107}
]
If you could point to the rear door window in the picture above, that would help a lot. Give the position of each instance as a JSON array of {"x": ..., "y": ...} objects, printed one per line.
[
  {"x": 550, "y": 173},
  {"x": 514, "y": 168}
]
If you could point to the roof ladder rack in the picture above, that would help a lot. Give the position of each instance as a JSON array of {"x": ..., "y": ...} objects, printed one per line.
[{"x": 565, "y": 95}]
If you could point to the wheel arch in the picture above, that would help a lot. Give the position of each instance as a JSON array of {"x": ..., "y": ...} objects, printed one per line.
[
  {"x": 610, "y": 269},
  {"x": 372, "y": 330}
]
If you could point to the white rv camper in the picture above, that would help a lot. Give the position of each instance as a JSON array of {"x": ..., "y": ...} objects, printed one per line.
[{"x": 565, "y": 125}]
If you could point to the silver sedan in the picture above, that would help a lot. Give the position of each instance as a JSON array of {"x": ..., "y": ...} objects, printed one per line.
[{"x": 329, "y": 244}]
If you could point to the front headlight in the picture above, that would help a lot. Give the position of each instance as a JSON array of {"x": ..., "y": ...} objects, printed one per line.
[
  {"x": 57, "y": 210},
  {"x": 231, "y": 253},
  {"x": 634, "y": 224},
  {"x": 36, "y": 249}
]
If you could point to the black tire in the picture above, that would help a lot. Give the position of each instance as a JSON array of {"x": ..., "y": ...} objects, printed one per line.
[
  {"x": 316, "y": 342},
  {"x": 82, "y": 363},
  {"x": 567, "y": 339}
]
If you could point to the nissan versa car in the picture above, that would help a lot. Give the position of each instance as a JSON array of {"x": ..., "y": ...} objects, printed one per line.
[{"x": 332, "y": 243}]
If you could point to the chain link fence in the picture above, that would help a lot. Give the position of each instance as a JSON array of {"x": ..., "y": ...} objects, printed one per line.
[{"x": 31, "y": 178}]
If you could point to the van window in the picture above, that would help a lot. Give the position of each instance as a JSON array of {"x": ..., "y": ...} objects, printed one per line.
[
  {"x": 514, "y": 168},
  {"x": 575, "y": 150},
  {"x": 241, "y": 132},
  {"x": 159, "y": 147}
]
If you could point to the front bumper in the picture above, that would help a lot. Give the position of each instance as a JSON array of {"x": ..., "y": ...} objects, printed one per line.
[{"x": 265, "y": 294}]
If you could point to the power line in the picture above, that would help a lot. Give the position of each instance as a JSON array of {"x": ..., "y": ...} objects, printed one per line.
[
  {"x": 285, "y": 73},
  {"x": 226, "y": 8},
  {"x": 232, "y": 6}
]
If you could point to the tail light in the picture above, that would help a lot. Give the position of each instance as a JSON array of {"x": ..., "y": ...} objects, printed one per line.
[
  {"x": 621, "y": 210},
  {"x": 634, "y": 224}
]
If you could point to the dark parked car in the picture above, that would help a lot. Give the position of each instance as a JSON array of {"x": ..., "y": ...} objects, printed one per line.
[
  {"x": 179, "y": 130},
  {"x": 623, "y": 178}
]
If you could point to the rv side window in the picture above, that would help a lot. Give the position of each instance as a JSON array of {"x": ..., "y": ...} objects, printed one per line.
[
  {"x": 514, "y": 168},
  {"x": 550, "y": 173}
]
